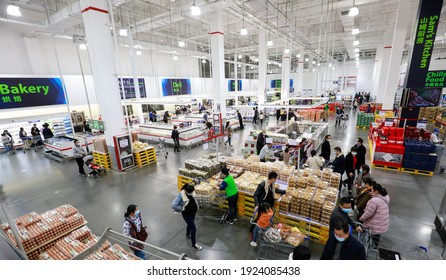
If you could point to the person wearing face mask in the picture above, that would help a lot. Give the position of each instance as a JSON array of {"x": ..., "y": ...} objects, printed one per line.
[
  {"x": 364, "y": 172},
  {"x": 339, "y": 162},
  {"x": 342, "y": 246},
  {"x": 350, "y": 167},
  {"x": 364, "y": 196},
  {"x": 340, "y": 213},
  {"x": 326, "y": 149},
  {"x": 79, "y": 153},
  {"x": 133, "y": 227},
  {"x": 266, "y": 189},
  {"x": 376, "y": 213},
  {"x": 360, "y": 156},
  {"x": 186, "y": 204}
]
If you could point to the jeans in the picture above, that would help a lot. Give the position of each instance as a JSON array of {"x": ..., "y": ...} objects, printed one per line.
[
  {"x": 232, "y": 203},
  {"x": 375, "y": 239},
  {"x": 140, "y": 254},
  {"x": 191, "y": 229},
  {"x": 255, "y": 233},
  {"x": 177, "y": 145},
  {"x": 80, "y": 164},
  {"x": 229, "y": 141}
]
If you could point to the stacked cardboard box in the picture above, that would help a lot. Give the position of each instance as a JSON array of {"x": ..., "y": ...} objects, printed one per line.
[
  {"x": 428, "y": 113},
  {"x": 419, "y": 155},
  {"x": 364, "y": 119}
]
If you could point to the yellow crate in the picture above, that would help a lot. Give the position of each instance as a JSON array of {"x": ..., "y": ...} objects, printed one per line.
[
  {"x": 102, "y": 159},
  {"x": 182, "y": 180},
  {"x": 145, "y": 157}
]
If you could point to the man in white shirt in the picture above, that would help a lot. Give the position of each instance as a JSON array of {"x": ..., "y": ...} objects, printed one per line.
[
  {"x": 434, "y": 137},
  {"x": 264, "y": 151}
]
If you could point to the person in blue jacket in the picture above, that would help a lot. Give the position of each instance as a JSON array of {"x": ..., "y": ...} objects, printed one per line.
[{"x": 342, "y": 246}]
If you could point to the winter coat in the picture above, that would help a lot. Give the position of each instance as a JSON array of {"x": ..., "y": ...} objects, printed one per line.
[
  {"x": 326, "y": 151},
  {"x": 361, "y": 177},
  {"x": 339, "y": 164},
  {"x": 361, "y": 201},
  {"x": 315, "y": 163},
  {"x": 351, "y": 249},
  {"x": 376, "y": 214},
  {"x": 181, "y": 201},
  {"x": 360, "y": 156},
  {"x": 261, "y": 141},
  {"x": 349, "y": 164},
  {"x": 265, "y": 193}
]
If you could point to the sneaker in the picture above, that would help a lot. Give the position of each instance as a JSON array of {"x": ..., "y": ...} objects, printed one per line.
[
  {"x": 197, "y": 247},
  {"x": 235, "y": 219},
  {"x": 188, "y": 236},
  {"x": 253, "y": 244},
  {"x": 231, "y": 222}
]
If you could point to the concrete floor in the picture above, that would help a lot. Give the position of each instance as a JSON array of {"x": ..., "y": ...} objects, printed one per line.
[{"x": 30, "y": 182}]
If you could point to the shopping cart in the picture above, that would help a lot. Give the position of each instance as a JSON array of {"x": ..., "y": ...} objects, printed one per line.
[
  {"x": 37, "y": 142},
  {"x": 273, "y": 241},
  {"x": 344, "y": 121},
  {"x": 161, "y": 148},
  {"x": 212, "y": 207},
  {"x": 388, "y": 247}
]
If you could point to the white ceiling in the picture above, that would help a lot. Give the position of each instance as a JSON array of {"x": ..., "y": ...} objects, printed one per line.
[{"x": 316, "y": 27}]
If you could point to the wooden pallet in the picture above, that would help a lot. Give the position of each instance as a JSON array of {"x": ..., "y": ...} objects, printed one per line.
[
  {"x": 102, "y": 159},
  {"x": 417, "y": 171},
  {"x": 145, "y": 157},
  {"x": 385, "y": 167},
  {"x": 182, "y": 180},
  {"x": 362, "y": 127}
]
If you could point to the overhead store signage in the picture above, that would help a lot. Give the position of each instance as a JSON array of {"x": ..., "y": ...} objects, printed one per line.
[
  {"x": 129, "y": 88},
  {"x": 176, "y": 87},
  {"x": 30, "y": 92},
  {"x": 278, "y": 83},
  {"x": 231, "y": 85},
  {"x": 419, "y": 74},
  {"x": 97, "y": 125}
]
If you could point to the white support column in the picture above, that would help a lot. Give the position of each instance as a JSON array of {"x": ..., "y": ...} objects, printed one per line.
[
  {"x": 100, "y": 47},
  {"x": 344, "y": 73},
  {"x": 376, "y": 70},
  {"x": 135, "y": 78},
  {"x": 236, "y": 79},
  {"x": 382, "y": 75},
  {"x": 300, "y": 73},
  {"x": 243, "y": 70},
  {"x": 218, "y": 63},
  {"x": 286, "y": 68},
  {"x": 262, "y": 65},
  {"x": 399, "y": 36}
]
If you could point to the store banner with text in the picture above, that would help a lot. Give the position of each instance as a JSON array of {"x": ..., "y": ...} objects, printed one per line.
[
  {"x": 419, "y": 75},
  {"x": 30, "y": 92},
  {"x": 231, "y": 85},
  {"x": 129, "y": 88},
  {"x": 173, "y": 87},
  {"x": 278, "y": 83}
]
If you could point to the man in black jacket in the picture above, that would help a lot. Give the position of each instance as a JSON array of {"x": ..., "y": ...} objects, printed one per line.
[
  {"x": 325, "y": 149},
  {"x": 261, "y": 141},
  {"x": 240, "y": 120},
  {"x": 176, "y": 139},
  {"x": 340, "y": 213},
  {"x": 265, "y": 190},
  {"x": 339, "y": 162},
  {"x": 350, "y": 167},
  {"x": 342, "y": 246},
  {"x": 361, "y": 153}
]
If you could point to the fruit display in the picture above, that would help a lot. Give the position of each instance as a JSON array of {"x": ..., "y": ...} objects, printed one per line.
[
  {"x": 286, "y": 172},
  {"x": 139, "y": 146}
]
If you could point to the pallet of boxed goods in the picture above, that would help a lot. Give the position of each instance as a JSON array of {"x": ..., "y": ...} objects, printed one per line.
[{"x": 145, "y": 156}]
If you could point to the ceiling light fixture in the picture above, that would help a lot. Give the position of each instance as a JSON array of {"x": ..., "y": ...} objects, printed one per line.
[
  {"x": 298, "y": 55},
  {"x": 243, "y": 31},
  {"x": 353, "y": 11},
  {"x": 13, "y": 10},
  {"x": 280, "y": 65},
  {"x": 329, "y": 65},
  {"x": 355, "y": 31},
  {"x": 356, "y": 49},
  {"x": 138, "y": 52},
  {"x": 240, "y": 56},
  {"x": 287, "y": 51},
  {"x": 355, "y": 43},
  {"x": 269, "y": 62},
  {"x": 137, "y": 46},
  {"x": 333, "y": 68},
  {"x": 181, "y": 44},
  {"x": 314, "y": 62},
  {"x": 195, "y": 10},
  {"x": 203, "y": 61},
  {"x": 256, "y": 60},
  {"x": 306, "y": 59},
  {"x": 318, "y": 64},
  {"x": 123, "y": 32},
  {"x": 314, "y": 69},
  {"x": 269, "y": 43},
  {"x": 83, "y": 46},
  {"x": 252, "y": 67},
  {"x": 175, "y": 57},
  {"x": 239, "y": 65}
]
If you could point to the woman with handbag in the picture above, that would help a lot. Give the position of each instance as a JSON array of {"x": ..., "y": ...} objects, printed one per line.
[
  {"x": 186, "y": 204},
  {"x": 134, "y": 228}
]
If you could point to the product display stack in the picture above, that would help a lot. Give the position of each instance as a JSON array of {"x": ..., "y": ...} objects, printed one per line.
[
  {"x": 364, "y": 120},
  {"x": 419, "y": 157},
  {"x": 100, "y": 153}
]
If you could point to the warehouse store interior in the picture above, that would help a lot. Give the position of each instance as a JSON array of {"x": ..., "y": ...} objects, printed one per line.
[{"x": 250, "y": 87}]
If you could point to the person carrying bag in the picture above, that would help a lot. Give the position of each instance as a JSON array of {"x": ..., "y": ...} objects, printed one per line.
[{"x": 133, "y": 227}]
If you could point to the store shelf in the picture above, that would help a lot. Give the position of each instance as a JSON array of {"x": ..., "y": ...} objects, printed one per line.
[{"x": 145, "y": 157}]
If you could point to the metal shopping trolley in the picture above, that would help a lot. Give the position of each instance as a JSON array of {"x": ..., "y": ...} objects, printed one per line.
[
  {"x": 161, "y": 148},
  {"x": 388, "y": 247},
  {"x": 212, "y": 207},
  {"x": 37, "y": 142},
  {"x": 344, "y": 120},
  {"x": 277, "y": 241}
]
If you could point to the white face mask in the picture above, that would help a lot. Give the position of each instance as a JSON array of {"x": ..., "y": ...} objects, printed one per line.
[{"x": 354, "y": 153}]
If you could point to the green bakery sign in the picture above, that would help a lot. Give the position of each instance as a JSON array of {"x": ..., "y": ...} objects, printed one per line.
[{"x": 97, "y": 125}]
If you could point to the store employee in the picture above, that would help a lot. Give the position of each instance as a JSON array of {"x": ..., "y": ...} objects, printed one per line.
[{"x": 264, "y": 151}]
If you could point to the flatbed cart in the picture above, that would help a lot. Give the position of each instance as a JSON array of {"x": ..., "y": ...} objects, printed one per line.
[
  {"x": 212, "y": 207},
  {"x": 273, "y": 247},
  {"x": 110, "y": 237},
  {"x": 390, "y": 247}
]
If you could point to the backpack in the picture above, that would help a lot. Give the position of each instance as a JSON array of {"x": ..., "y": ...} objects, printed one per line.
[{"x": 141, "y": 235}]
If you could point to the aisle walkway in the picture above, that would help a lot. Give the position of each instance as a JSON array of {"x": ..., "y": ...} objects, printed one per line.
[{"x": 30, "y": 182}]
